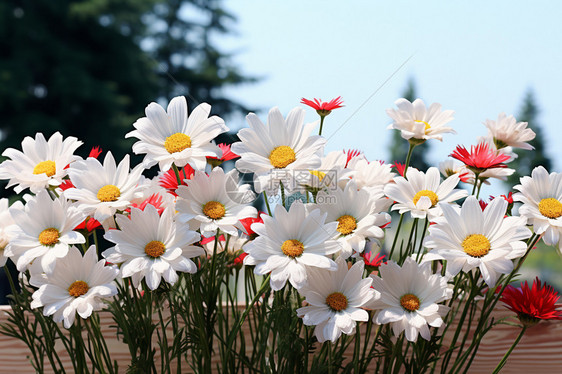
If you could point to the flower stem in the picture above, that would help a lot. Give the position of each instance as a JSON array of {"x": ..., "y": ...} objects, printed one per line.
[
  {"x": 267, "y": 203},
  {"x": 504, "y": 359},
  {"x": 321, "y": 124},
  {"x": 410, "y": 150},
  {"x": 475, "y": 183},
  {"x": 177, "y": 172}
]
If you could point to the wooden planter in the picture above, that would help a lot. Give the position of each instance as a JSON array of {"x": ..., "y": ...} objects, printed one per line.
[{"x": 540, "y": 349}]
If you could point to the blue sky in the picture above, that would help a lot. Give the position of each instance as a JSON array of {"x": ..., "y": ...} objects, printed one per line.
[{"x": 476, "y": 58}]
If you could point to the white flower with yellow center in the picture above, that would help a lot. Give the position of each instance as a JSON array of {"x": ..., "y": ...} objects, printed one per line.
[
  {"x": 470, "y": 238},
  {"x": 176, "y": 138},
  {"x": 43, "y": 230},
  {"x": 152, "y": 247},
  {"x": 336, "y": 300},
  {"x": 6, "y": 227},
  {"x": 76, "y": 285},
  {"x": 423, "y": 194},
  {"x": 331, "y": 171},
  {"x": 280, "y": 151},
  {"x": 408, "y": 298},
  {"x": 541, "y": 195},
  {"x": 506, "y": 131},
  {"x": 41, "y": 164},
  {"x": 214, "y": 202},
  {"x": 102, "y": 190},
  {"x": 418, "y": 123},
  {"x": 289, "y": 243},
  {"x": 357, "y": 214}
]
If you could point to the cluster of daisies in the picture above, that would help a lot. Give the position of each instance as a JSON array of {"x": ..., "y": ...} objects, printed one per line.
[{"x": 321, "y": 242}]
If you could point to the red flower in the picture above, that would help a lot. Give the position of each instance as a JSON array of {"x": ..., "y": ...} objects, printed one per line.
[
  {"x": 399, "y": 167},
  {"x": 532, "y": 304},
  {"x": 239, "y": 261},
  {"x": 351, "y": 154},
  {"x": 372, "y": 259},
  {"x": 207, "y": 240},
  {"x": 95, "y": 152},
  {"x": 480, "y": 157},
  {"x": 483, "y": 204},
  {"x": 154, "y": 200},
  {"x": 169, "y": 181},
  {"x": 66, "y": 184},
  {"x": 323, "y": 108},
  {"x": 247, "y": 223},
  {"x": 227, "y": 154},
  {"x": 89, "y": 224}
]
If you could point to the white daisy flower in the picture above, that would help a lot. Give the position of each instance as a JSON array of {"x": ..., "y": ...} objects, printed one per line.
[
  {"x": 331, "y": 171},
  {"x": 336, "y": 300},
  {"x": 279, "y": 151},
  {"x": 407, "y": 298},
  {"x": 506, "y": 131},
  {"x": 43, "y": 230},
  {"x": 358, "y": 216},
  {"x": 41, "y": 164},
  {"x": 101, "y": 190},
  {"x": 213, "y": 202},
  {"x": 174, "y": 138},
  {"x": 289, "y": 243},
  {"x": 541, "y": 195},
  {"x": 77, "y": 285},
  {"x": 6, "y": 227},
  {"x": 418, "y": 123},
  {"x": 471, "y": 238},
  {"x": 372, "y": 176},
  {"x": 423, "y": 194},
  {"x": 151, "y": 246}
]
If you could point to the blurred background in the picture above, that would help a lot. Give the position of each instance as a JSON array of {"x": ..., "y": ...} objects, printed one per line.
[{"x": 88, "y": 69}]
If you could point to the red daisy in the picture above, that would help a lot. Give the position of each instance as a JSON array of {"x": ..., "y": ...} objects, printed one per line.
[
  {"x": 89, "y": 224},
  {"x": 154, "y": 200},
  {"x": 480, "y": 157},
  {"x": 483, "y": 204},
  {"x": 351, "y": 154},
  {"x": 323, "y": 108},
  {"x": 399, "y": 167},
  {"x": 227, "y": 154},
  {"x": 169, "y": 181},
  {"x": 247, "y": 223},
  {"x": 532, "y": 304},
  {"x": 95, "y": 152},
  {"x": 372, "y": 259},
  {"x": 239, "y": 261}
]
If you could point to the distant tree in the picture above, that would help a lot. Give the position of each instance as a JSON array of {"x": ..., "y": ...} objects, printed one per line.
[
  {"x": 399, "y": 147},
  {"x": 528, "y": 160},
  {"x": 181, "y": 40}
]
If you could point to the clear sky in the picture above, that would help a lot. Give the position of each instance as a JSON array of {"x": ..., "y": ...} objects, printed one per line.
[{"x": 477, "y": 58}]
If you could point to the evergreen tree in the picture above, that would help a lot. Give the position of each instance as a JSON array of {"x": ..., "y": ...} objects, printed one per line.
[
  {"x": 399, "y": 146},
  {"x": 528, "y": 160}
]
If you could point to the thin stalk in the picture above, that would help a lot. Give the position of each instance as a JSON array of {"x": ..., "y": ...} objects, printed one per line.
[
  {"x": 321, "y": 124},
  {"x": 504, "y": 359},
  {"x": 177, "y": 172},
  {"x": 396, "y": 236},
  {"x": 412, "y": 146},
  {"x": 267, "y": 203},
  {"x": 475, "y": 183},
  {"x": 282, "y": 194}
]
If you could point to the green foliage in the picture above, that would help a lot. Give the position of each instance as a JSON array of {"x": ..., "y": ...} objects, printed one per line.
[
  {"x": 528, "y": 160},
  {"x": 399, "y": 146}
]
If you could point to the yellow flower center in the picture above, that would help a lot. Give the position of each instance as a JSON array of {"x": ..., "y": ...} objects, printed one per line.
[
  {"x": 292, "y": 248},
  {"x": 49, "y": 236},
  {"x": 550, "y": 208},
  {"x": 48, "y": 167},
  {"x": 427, "y": 126},
  {"x": 78, "y": 288},
  {"x": 177, "y": 142},
  {"x": 108, "y": 192},
  {"x": 432, "y": 196},
  {"x": 320, "y": 175},
  {"x": 336, "y": 301},
  {"x": 282, "y": 156},
  {"x": 154, "y": 249},
  {"x": 214, "y": 210},
  {"x": 346, "y": 224},
  {"x": 410, "y": 302},
  {"x": 476, "y": 245}
]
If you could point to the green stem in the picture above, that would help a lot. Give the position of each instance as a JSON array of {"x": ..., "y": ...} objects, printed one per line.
[
  {"x": 410, "y": 150},
  {"x": 267, "y": 203},
  {"x": 504, "y": 359},
  {"x": 396, "y": 236},
  {"x": 282, "y": 194},
  {"x": 475, "y": 183},
  {"x": 177, "y": 172},
  {"x": 321, "y": 124}
]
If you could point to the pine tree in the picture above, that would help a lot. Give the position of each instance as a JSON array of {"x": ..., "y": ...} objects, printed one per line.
[
  {"x": 528, "y": 160},
  {"x": 399, "y": 146}
]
